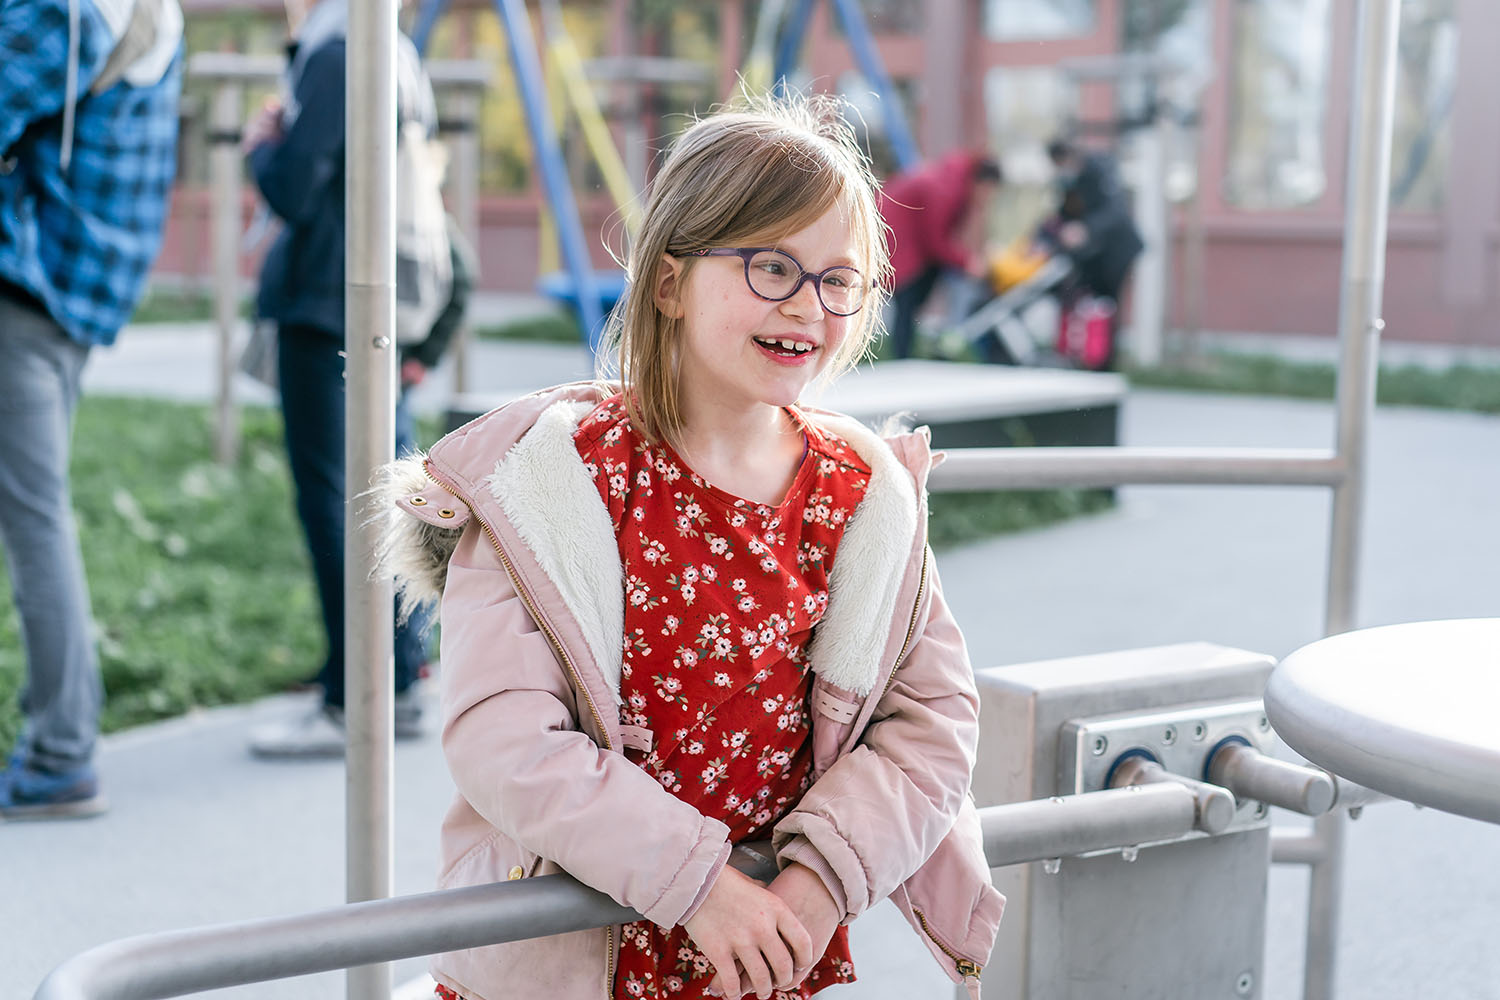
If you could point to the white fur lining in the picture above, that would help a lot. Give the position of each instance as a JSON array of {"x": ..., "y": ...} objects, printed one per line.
[
  {"x": 543, "y": 487},
  {"x": 848, "y": 644}
]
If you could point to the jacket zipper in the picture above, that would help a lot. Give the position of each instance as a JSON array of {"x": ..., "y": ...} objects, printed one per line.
[
  {"x": 536, "y": 616},
  {"x": 911, "y": 628},
  {"x": 966, "y": 968},
  {"x": 531, "y": 607}
]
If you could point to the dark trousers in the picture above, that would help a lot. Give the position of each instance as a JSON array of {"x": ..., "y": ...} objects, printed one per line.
[
  {"x": 906, "y": 301},
  {"x": 311, "y": 370}
]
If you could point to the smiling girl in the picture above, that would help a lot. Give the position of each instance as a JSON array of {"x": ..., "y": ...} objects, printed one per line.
[{"x": 684, "y": 611}]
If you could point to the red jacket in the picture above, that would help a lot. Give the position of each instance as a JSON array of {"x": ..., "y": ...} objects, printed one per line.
[{"x": 925, "y": 210}]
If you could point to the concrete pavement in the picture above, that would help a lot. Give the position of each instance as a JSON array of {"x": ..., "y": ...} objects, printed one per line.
[{"x": 200, "y": 832}]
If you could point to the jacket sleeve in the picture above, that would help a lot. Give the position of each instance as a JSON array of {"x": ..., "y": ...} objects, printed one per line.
[
  {"x": 879, "y": 812},
  {"x": 516, "y": 753},
  {"x": 34, "y": 61},
  {"x": 941, "y": 219},
  {"x": 295, "y": 171}
]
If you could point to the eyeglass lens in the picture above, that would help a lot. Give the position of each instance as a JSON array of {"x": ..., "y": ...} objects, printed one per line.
[{"x": 773, "y": 275}]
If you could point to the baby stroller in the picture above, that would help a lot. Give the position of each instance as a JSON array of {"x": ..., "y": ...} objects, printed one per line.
[
  {"x": 1038, "y": 312},
  {"x": 1011, "y": 328}
]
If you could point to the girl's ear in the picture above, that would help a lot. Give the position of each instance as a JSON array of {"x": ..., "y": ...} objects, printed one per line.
[{"x": 669, "y": 276}]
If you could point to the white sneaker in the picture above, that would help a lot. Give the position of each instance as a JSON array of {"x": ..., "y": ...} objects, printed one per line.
[{"x": 319, "y": 733}]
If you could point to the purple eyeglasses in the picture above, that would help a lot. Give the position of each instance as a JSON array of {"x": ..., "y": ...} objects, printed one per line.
[{"x": 776, "y": 276}]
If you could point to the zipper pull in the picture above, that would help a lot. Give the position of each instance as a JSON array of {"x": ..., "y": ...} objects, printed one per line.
[{"x": 968, "y": 969}]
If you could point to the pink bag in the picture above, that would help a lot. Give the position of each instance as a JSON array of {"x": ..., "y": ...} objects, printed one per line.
[{"x": 1084, "y": 331}]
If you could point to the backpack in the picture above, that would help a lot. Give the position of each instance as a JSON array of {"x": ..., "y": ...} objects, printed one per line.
[{"x": 424, "y": 260}]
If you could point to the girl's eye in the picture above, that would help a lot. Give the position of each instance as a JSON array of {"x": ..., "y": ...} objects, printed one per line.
[
  {"x": 772, "y": 267},
  {"x": 836, "y": 281}
]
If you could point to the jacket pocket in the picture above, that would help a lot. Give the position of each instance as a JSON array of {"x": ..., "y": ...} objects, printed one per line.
[{"x": 496, "y": 858}]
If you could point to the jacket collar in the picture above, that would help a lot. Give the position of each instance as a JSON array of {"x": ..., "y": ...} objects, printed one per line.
[{"x": 541, "y": 487}]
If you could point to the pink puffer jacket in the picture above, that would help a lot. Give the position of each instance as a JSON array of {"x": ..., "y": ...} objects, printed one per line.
[{"x": 507, "y": 526}]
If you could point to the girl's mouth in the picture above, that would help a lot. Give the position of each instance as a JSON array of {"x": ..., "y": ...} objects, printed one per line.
[{"x": 785, "y": 348}]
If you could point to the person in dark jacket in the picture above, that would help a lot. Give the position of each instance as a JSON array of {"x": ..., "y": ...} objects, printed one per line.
[
  {"x": 1093, "y": 224},
  {"x": 296, "y": 156},
  {"x": 88, "y": 144},
  {"x": 927, "y": 210}
]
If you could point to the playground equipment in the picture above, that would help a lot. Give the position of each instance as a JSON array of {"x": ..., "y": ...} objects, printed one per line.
[{"x": 1187, "y": 795}]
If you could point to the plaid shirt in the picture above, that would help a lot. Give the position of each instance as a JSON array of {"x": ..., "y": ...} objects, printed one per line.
[{"x": 80, "y": 242}]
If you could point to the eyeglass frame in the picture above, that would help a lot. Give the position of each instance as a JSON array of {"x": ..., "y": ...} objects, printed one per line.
[{"x": 746, "y": 254}]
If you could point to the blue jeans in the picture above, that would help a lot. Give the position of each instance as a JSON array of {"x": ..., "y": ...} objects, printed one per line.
[
  {"x": 40, "y": 366},
  {"x": 310, "y": 366}
]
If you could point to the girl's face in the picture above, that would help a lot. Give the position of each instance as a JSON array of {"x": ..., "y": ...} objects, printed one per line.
[{"x": 734, "y": 346}]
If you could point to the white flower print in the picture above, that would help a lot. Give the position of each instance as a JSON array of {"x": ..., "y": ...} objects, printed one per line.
[
  {"x": 737, "y": 519},
  {"x": 768, "y": 564},
  {"x": 721, "y": 679},
  {"x": 642, "y": 478},
  {"x": 709, "y": 573},
  {"x": 669, "y": 626},
  {"x": 747, "y": 636},
  {"x": 719, "y": 546},
  {"x": 737, "y": 585},
  {"x": 689, "y": 574},
  {"x": 637, "y": 700},
  {"x": 695, "y": 747},
  {"x": 639, "y": 513}
]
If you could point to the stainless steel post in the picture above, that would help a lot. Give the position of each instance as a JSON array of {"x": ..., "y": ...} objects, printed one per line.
[
  {"x": 225, "y": 169},
  {"x": 1363, "y": 283},
  {"x": 370, "y": 326},
  {"x": 463, "y": 188}
]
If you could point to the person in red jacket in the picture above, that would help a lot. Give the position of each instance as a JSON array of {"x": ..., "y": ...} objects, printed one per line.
[{"x": 927, "y": 210}]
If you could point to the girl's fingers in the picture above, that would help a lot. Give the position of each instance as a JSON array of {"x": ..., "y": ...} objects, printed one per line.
[
  {"x": 726, "y": 981},
  {"x": 798, "y": 940},
  {"x": 757, "y": 972}
]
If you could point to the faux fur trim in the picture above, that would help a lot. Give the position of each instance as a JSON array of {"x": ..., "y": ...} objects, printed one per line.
[
  {"x": 848, "y": 644},
  {"x": 545, "y": 491},
  {"x": 413, "y": 551}
]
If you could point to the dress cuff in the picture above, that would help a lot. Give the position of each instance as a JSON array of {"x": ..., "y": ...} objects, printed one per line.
[
  {"x": 801, "y": 851},
  {"x": 708, "y": 883}
]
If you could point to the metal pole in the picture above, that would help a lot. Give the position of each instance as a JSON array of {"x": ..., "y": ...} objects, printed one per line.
[
  {"x": 1043, "y": 468},
  {"x": 177, "y": 963},
  {"x": 1153, "y": 217},
  {"x": 370, "y": 324},
  {"x": 225, "y": 168},
  {"x": 1363, "y": 284}
]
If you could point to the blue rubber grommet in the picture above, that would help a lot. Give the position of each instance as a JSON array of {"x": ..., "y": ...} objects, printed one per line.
[
  {"x": 1109, "y": 777},
  {"x": 1226, "y": 741}
]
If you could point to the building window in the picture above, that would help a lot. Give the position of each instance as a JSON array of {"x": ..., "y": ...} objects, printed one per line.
[
  {"x": 1426, "y": 69},
  {"x": 1024, "y": 108},
  {"x": 1279, "y": 78},
  {"x": 1030, "y": 20}
]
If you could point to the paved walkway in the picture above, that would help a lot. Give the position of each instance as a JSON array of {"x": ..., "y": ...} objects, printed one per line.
[{"x": 202, "y": 833}]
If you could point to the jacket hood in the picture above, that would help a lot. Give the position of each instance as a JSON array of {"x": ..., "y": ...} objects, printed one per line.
[{"x": 519, "y": 462}]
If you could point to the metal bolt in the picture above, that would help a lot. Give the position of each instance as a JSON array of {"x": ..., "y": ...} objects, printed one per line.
[
  {"x": 1129, "y": 854},
  {"x": 1264, "y": 723},
  {"x": 1100, "y": 745},
  {"x": 1355, "y": 812},
  {"x": 1200, "y": 731},
  {"x": 1244, "y": 984},
  {"x": 1261, "y": 809},
  {"x": 1169, "y": 736},
  {"x": 1052, "y": 866},
  {"x": 380, "y": 343}
]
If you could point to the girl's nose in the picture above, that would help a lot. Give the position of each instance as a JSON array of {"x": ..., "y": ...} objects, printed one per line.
[{"x": 804, "y": 302}]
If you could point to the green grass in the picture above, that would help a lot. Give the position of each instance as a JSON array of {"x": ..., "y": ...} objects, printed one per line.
[
  {"x": 1462, "y": 387},
  {"x": 550, "y": 327},
  {"x": 201, "y": 590},
  {"x": 162, "y": 305}
]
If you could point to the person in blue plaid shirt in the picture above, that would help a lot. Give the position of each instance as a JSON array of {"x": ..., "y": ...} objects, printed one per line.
[{"x": 88, "y": 145}]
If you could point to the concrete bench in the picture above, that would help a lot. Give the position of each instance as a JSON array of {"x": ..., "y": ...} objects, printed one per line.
[{"x": 967, "y": 406}]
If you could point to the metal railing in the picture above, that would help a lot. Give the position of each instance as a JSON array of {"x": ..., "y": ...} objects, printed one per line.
[{"x": 357, "y": 935}]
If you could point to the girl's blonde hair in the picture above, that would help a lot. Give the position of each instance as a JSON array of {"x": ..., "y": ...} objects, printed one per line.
[{"x": 748, "y": 175}]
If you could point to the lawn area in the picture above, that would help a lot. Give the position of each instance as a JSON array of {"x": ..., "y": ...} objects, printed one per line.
[{"x": 201, "y": 589}]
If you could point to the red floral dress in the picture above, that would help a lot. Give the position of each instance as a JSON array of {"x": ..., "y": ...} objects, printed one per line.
[{"x": 721, "y": 597}]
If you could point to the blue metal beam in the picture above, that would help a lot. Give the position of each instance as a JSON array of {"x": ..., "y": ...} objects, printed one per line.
[
  {"x": 897, "y": 133},
  {"x": 790, "y": 45},
  {"x": 523, "y": 60},
  {"x": 428, "y": 15}
]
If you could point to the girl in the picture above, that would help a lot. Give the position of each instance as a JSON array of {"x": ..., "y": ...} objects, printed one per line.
[{"x": 684, "y": 611}]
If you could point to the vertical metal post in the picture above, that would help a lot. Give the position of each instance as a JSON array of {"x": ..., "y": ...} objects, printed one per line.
[
  {"x": 1153, "y": 217},
  {"x": 1363, "y": 284},
  {"x": 789, "y": 45},
  {"x": 867, "y": 55},
  {"x": 224, "y": 165},
  {"x": 369, "y": 339}
]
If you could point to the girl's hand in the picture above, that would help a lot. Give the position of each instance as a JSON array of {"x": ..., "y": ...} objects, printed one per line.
[
  {"x": 743, "y": 922},
  {"x": 808, "y": 898}
]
